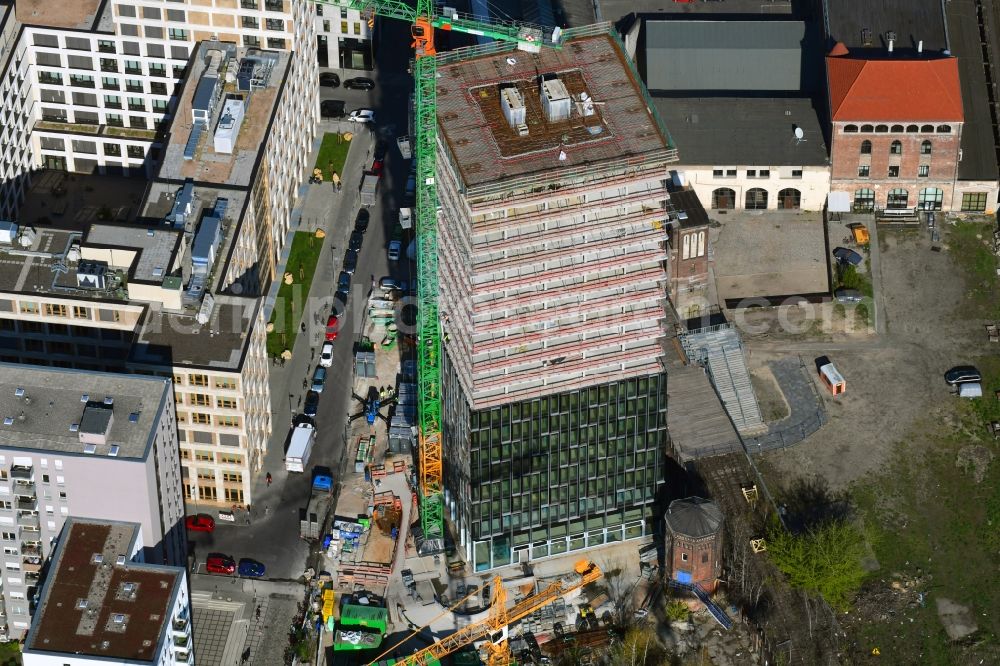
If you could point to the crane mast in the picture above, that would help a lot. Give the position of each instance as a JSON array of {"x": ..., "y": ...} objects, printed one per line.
[{"x": 423, "y": 21}]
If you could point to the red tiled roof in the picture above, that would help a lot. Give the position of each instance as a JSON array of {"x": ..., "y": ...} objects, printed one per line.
[{"x": 894, "y": 90}]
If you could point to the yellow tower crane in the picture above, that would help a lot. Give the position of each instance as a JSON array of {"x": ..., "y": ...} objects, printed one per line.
[{"x": 491, "y": 633}]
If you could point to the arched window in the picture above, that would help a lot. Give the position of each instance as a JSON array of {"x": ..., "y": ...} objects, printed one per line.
[
  {"x": 930, "y": 198},
  {"x": 701, "y": 244},
  {"x": 896, "y": 148},
  {"x": 867, "y": 129},
  {"x": 897, "y": 129},
  {"x": 866, "y": 147},
  {"x": 724, "y": 198},
  {"x": 864, "y": 200},
  {"x": 881, "y": 129},
  {"x": 850, "y": 128},
  {"x": 686, "y": 247},
  {"x": 944, "y": 129},
  {"x": 789, "y": 198},
  {"x": 897, "y": 198},
  {"x": 925, "y": 148},
  {"x": 912, "y": 128},
  {"x": 925, "y": 129},
  {"x": 756, "y": 199}
]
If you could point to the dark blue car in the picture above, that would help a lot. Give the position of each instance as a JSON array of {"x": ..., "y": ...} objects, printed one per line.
[{"x": 251, "y": 568}]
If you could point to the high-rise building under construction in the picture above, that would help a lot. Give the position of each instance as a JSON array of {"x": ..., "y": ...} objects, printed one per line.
[{"x": 552, "y": 178}]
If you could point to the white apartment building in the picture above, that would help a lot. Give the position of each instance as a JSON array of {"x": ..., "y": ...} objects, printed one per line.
[
  {"x": 83, "y": 444},
  {"x": 344, "y": 39},
  {"x": 110, "y": 88},
  {"x": 102, "y": 605}
]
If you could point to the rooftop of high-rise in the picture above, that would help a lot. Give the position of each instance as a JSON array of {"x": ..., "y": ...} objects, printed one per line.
[{"x": 507, "y": 114}]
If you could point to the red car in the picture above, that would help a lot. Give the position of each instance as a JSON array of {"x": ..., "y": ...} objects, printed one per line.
[
  {"x": 332, "y": 327},
  {"x": 377, "y": 167},
  {"x": 200, "y": 523},
  {"x": 220, "y": 564}
]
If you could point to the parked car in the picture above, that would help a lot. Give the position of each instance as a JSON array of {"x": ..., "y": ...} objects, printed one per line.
[
  {"x": 332, "y": 327},
  {"x": 251, "y": 568},
  {"x": 340, "y": 300},
  {"x": 361, "y": 221},
  {"x": 220, "y": 564},
  {"x": 312, "y": 404},
  {"x": 962, "y": 374},
  {"x": 357, "y": 238},
  {"x": 377, "y": 165},
  {"x": 362, "y": 116},
  {"x": 411, "y": 189},
  {"x": 319, "y": 379},
  {"x": 200, "y": 523},
  {"x": 344, "y": 281},
  {"x": 326, "y": 355},
  {"x": 350, "y": 261},
  {"x": 392, "y": 284},
  {"x": 847, "y": 256},
  {"x": 395, "y": 247},
  {"x": 329, "y": 80},
  {"x": 359, "y": 83},
  {"x": 332, "y": 108},
  {"x": 848, "y": 296}
]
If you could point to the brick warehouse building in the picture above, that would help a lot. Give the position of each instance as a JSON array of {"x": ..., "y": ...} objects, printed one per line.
[{"x": 896, "y": 130}]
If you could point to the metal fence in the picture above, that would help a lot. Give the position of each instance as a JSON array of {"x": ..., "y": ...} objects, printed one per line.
[{"x": 784, "y": 437}]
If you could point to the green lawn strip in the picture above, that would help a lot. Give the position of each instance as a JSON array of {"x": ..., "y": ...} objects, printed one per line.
[
  {"x": 291, "y": 299},
  {"x": 332, "y": 154},
  {"x": 970, "y": 246}
]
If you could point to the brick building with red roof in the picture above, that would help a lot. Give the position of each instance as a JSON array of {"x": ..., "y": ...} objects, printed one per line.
[{"x": 897, "y": 130}]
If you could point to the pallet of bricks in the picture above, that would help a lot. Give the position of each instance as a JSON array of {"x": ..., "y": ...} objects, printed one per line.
[{"x": 380, "y": 471}]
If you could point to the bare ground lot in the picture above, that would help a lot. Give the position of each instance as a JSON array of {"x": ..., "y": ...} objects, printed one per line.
[{"x": 918, "y": 463}]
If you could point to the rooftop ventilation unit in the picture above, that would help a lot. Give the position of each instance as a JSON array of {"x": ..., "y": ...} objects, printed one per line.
[
  {"x": 512, "y": 103},
  {"x": 19, "y": 392},
  {"x": 92, "y": 275},
  {"x": 209, "y": 88},
  {"x": 206, "y": 244},
  {"x": 229, "y": 125},
  {"x": 555, "y": 100},
  {"x": 585, "y": 105},
  {"x": 182, "y": 205}
]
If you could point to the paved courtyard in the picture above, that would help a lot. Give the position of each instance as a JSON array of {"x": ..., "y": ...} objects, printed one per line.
[
  {"x": 212, "y": 626},
  {"x": 769, "y": 254}
]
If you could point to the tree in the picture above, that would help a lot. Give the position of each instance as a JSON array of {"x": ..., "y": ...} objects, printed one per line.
[
  {"x": 825, "y": 560},
  {"x": 640, "y": 647}
]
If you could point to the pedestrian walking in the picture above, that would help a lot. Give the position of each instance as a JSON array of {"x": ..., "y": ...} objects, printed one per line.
[
  {"x": 268, "y": 478},
  {"x": 305, "y": 384},
  {"x": 258, "y": 612}
]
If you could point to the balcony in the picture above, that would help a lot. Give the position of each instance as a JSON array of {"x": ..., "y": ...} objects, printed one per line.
[
  {"x": 183, "y": 641},
  {"x": 136, "y": 107},
  {"x": 30, "y": 565},
  {"x": 23, "y": 489},
  {"x": 157, "y": 72},
  {"x": 106, "y": 47},
  {"x": 180, "y": 625},
  {"x": 31, "y": 536},
  {"x": 135, "y": 89},
  {"x": 82, "y": 83},
  {"x": 28, "y": 521},
  {"x": 133, "y": 70},
  {"x": 50, "y": 79},
  {"x": 22, "y": 472},
  {"x": 31, "y": 550},
  {"x": 109, "y": 66},
  {"x": 26, "y": 504},
  {"x": 182, "y": 656},
  {"x": 112, "y": 105}
]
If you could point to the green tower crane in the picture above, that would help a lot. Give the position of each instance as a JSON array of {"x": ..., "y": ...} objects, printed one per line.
[{"x": 423, "y": 21}]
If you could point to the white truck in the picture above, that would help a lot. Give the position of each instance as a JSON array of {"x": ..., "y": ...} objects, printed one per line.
[
  {"x": 300, "y": 447},
  {"x": 369, "y": 189}
]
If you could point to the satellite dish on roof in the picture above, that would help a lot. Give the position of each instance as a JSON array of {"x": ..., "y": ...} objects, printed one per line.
[{"x": 799, "y": 134}]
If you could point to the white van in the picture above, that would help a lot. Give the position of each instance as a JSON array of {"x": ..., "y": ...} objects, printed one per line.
[{"x": 970, "y": 390}]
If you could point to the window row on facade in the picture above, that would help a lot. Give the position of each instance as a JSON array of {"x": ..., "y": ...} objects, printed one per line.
[
  {"x": 865, "y": 171},
  {"x": 764, "y": 174},
  {"x": 898, "y": 198},
  {"x": 898, "y": 129},
  {"x": 756, "y": 198},
  {"x": 896, "y": 147}
]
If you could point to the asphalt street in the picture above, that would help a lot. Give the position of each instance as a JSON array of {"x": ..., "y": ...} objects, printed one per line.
[{"x": 270, "y": 533}]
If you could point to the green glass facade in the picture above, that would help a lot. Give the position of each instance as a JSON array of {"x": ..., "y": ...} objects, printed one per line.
[{"x": 553, "y": 474}]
